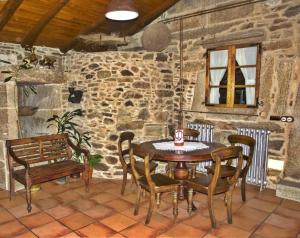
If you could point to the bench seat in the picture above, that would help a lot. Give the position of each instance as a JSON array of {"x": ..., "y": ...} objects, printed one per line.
[
  {"x": 44, "y": 173},
  {"x": 40, "y": 159}
]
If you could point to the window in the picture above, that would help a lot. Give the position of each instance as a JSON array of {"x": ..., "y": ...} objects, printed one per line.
[{"x": 232, "y": 76}]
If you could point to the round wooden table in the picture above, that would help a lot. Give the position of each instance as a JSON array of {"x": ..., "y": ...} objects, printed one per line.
[{"x": 181, "y": 172}]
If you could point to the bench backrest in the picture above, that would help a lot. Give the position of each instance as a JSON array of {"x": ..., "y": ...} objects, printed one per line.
[{"x": 40, "y": 148}]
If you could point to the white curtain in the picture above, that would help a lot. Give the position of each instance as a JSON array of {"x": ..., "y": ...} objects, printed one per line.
[
  {"x": 247, "y": 56},
  {"x": 217, "y": 59}
]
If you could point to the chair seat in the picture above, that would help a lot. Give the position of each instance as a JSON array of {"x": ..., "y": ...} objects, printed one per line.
[
  {"x": 202, "y": 182},
  {"x": 160, "y": 181},
  {"x": 139, "y": 165},
  {"x": 226, "y": 170}
]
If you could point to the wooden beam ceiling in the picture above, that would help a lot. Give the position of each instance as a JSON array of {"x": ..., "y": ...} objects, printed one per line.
[
  {"x": 31, "y": 36},
  {"x": 147, "y": 19},
  {"x": 8, "y": 11},
  {"x": 58, "y": 23}
]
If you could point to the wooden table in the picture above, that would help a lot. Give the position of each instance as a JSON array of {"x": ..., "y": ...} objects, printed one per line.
[{"x": 181, "y": 172}]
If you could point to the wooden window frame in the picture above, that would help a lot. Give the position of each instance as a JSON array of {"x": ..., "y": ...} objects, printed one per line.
[{"x": 231, "y": 68}]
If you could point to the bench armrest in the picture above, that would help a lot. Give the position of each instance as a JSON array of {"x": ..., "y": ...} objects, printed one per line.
[{"x": 16, "y": 159}]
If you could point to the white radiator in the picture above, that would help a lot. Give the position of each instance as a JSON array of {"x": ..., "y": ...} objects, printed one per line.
[{"x": 257, "y": 173}]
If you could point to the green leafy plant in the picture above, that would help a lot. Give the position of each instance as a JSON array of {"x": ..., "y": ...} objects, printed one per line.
[
  {"x": 65, "y": 124},
  {"x": 94, "y": 159}
]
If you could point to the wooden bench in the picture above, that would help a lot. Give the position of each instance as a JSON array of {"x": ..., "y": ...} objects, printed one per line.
[{"x": 41, "y": 159}]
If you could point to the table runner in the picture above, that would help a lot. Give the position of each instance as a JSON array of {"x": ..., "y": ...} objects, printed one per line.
[{"x": 188, "y": 146}]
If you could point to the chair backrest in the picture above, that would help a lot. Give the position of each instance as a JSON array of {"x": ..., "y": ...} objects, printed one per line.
[
  {"x": 125, "y": 137},
  {"x": 188, "y": 133},
  {"x": 147, "y": 172},
  {"x": 223, "y": 155},
  {"x": 244, "y": 140}
]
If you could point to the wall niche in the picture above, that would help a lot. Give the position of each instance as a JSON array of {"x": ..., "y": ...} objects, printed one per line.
[{"x": 35, "y": 109}]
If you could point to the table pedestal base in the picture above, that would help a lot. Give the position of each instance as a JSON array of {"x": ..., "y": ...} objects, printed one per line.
[{"x": 181, "y": 173}]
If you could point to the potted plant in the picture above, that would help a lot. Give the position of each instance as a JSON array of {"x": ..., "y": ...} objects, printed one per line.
[
  {"x": 65, "y": 124},
  {"x": 93, "y": 160}
]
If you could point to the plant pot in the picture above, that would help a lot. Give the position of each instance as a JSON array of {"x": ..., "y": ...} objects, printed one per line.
[
  {"x": 88, "y": 173},
  {"x": 75, "y": 176},
  {"x": 35, "y": 188},
  {"x": 61, "y": 180}
]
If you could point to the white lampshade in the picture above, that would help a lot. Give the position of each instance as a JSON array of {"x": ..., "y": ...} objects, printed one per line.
[{"x": 121, "y": 10}]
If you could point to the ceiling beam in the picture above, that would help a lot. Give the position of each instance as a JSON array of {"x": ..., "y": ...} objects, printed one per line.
[
  {"x": 8, "y": 11},
  {"x": 31, "y": 36},
  {"x": 145, "y": 20}
]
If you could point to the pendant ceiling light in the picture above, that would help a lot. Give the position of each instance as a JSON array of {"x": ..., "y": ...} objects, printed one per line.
[{"x": 121, "y": 10}]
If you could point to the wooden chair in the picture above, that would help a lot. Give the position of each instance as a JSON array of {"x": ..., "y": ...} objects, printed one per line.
[
  {"x": 126, "y": 138},
  {"x": 190, "y": 135},
  {"x": 212, "y": 184},
  {"x": 229, "y": 170},
  {"x": 155, "y": 184}
]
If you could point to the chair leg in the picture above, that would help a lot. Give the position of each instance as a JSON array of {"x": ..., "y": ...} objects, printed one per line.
[
  {"x": 190, "y": 201},
  {"x": 11, "y": 187},
  {"x": 211, "y": 211},
  {"x": 229, "y": 206},
  {"x": 175, "y": 204},
  {"x": 151, "y": 206},
  {"x": 243, "y": 189},
  {"x": 124, "y": 183},
  {"x": 157, "y": 200},
  {"x": 28, "y": 198},
  {"x": 137, "y": 203}
]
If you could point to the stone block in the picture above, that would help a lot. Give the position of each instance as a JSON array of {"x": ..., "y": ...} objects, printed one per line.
[
  {"x": 3, "y": 123},
  {"x": 284, "y": 70},
  {"x": 3, "y": 166},
  {"x": 47, "y": 97},
  {"x": 289, "y": 188},
  {"x": 155, "y": 130},
  {"x": 3, "y": 175},
  {"x": 234, "y": 38},
  {"x": 2, "y": 150},
  {"x": 292, "y": 11},
  {"x": 231, "y": 14},
  {"x": 3, "y": 96},
  {"x": 37, "y": 124}
]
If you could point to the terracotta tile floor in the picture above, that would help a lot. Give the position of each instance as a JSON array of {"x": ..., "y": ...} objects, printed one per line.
[{"x": 67, "y": 211}]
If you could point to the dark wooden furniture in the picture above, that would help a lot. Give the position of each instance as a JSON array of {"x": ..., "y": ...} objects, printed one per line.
[
  {"x": 190, "y": 135},
  {"x": 214, "y": 184},
  {"x": 181, "y": 171},
  {"x": 229, "y": 170},
  {"x": 126, "y": 138},
  {"x": 155, "y": 184},
  {"x": 41, "y": 159}
]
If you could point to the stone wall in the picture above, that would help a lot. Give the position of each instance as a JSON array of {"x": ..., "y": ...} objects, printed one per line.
[
  {"x": 122, "y": 91},
  {"x": 274, "y": 24}
]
